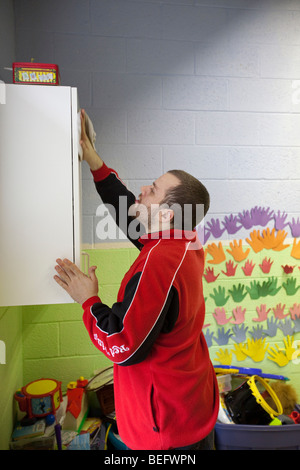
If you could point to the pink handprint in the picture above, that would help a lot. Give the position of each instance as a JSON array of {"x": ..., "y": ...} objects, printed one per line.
[
  {"x": 278, "y": 311},
  {"x": 295, "y": 311},
  {"x": 220, "y": 316},
  {"x": 239, "y": 315},
  {"x": 262, "y": 313}
]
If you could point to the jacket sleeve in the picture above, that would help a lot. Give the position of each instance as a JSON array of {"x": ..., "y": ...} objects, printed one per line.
[
  {"x": 126, "y": 332},
  {"x": 117, "y": 198}
]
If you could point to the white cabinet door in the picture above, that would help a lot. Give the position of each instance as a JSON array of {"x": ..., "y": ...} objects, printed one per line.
[{"x": 39, "y": 193}]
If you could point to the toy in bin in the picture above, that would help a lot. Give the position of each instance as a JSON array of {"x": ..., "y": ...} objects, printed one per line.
[
  {"x": 102, "y": 384},
  {"x": 39, "y": 398},
  {"x": 246, "y": 404},
  {"x": 35, "y": 74}
]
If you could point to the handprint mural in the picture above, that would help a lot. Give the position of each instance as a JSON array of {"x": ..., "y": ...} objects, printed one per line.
[{"x": 253, "y": 289}]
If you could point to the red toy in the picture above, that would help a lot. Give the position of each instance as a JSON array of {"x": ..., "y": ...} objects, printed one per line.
[{"x": 35, "y": 74}]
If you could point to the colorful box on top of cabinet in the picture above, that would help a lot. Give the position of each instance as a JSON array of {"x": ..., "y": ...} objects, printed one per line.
[{"x": 36, "y": 74}]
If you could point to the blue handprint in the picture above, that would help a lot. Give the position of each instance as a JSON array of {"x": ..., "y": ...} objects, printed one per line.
[
  {"x": 257, "y": 332},
  {"x": 209, "y": 336},
  {"x": 223, "y": 337},
  {"x": 286, "y": 327},
  {"x": 272, "y": 326},
  {"x": 240, "y": 332},
  {"x": 296, "y": 324}
]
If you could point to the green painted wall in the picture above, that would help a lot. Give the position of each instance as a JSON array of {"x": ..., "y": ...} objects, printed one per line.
[{"x": 11, "y": 368}]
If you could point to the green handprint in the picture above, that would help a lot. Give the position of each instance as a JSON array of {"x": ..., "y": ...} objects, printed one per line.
[
  {"x": 237, "y": 293},
  {"x": 273, "y": 289},
  {"x": 219, "y": 296},
  {"x": 264, "y": 289},
  {"x": 253, "y": 290},
  {"x": 290, "y": 286},
  {"x": 257, "y": 290}
]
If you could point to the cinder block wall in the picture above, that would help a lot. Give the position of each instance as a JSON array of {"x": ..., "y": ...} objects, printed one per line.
[{"x": 207, "y": 86}]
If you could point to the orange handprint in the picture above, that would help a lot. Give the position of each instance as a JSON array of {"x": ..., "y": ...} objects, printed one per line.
[
  {"x": 255, "y": 242},
  {"x": 295, "y": 253},
  {"x": 281, "y": 235},
  {"x": 272, "y": 240},
  {"x": 216, "y": 252},
  {"x": 237, "y": 251}
]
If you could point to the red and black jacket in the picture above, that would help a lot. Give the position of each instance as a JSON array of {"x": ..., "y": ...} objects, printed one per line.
[{"x": 163, "y": 378}]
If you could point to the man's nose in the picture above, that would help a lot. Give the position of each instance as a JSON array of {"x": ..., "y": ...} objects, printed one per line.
[{"x": 144, "y": 190}]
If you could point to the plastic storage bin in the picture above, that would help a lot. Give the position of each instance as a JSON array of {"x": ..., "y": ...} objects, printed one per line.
[
  {"x": 224, "y": 383},
  {"x": 251, "y": 437}
]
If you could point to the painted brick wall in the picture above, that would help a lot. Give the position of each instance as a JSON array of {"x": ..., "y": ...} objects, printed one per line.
[{"x": 208, "y": 86}]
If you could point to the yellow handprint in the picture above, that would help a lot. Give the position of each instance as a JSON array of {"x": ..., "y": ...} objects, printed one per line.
[
  {"x": 289, "y": 349},
  {"x": 224, "y": 357},
  {"x": 255, "y": 349},
  {"x": 278, "y": 356},
  {"x": 216, "y": 252},
  {"x": 238, "y": 351},
  {"x": 237, "y": 251}
]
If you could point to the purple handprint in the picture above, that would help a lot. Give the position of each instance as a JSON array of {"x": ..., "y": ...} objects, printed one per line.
[
  {"x": 214, "y": 228},
  {"x": 230, "y": 224},
  {"x": 280, "y": 223},
  {"x": 295, "y": 227},
  {"x": 202, "y": 233},
  {"x": 245, "y": 219},
  {"x": 261, "y": 216}
]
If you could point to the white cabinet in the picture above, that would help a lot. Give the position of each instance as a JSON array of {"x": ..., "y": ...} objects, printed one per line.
[{"x": 39, "y": 191}]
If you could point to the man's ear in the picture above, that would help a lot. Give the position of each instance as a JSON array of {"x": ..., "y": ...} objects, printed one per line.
[{"x": 166, "y": 215}]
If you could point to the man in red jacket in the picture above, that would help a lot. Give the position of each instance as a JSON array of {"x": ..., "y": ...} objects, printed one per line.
[{"x": 166, "y": 393}]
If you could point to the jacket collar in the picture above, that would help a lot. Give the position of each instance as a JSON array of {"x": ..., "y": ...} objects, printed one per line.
[{"x": 172, "y": 234}]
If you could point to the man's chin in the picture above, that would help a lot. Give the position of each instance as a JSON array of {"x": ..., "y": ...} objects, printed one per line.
[{"x": 133, "y": 210}]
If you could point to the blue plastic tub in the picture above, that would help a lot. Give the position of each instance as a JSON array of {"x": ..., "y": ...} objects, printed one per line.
[
  {"x": 114, "y": 440},
  {"x": 252, "y": 437}
]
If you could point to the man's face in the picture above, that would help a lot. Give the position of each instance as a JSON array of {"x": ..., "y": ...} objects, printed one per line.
[{"x": 151, "y": 197}]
